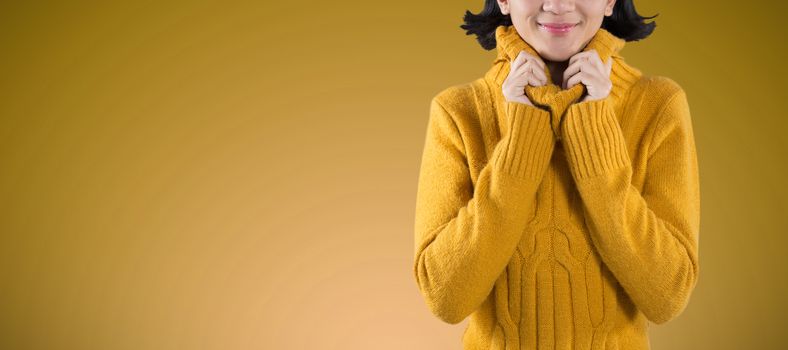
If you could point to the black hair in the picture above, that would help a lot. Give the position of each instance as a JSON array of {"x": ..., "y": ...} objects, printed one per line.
[{"x": 624, "y": 23}]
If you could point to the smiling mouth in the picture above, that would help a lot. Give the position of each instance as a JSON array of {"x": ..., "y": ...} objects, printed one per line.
[{"x": 557, "y": 28}]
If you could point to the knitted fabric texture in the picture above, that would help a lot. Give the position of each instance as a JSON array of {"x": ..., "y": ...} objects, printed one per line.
[{"x": 564, "y": 225}]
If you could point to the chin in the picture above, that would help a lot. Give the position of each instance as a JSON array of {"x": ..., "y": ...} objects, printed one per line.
[{"x": 556, "y": 56}]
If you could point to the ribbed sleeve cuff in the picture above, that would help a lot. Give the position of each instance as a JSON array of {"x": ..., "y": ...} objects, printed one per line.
[
  {"x": 530, "y": 141},
  {"x": 593, "y": 138}
]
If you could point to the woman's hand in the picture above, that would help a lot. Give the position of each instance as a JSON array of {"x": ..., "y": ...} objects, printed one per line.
[
  {"x": 586, "y": 67},
  {"x": 525, "y": 69}
]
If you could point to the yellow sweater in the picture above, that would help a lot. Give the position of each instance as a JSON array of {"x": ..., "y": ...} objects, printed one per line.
[{"x": 568, "y": 225}]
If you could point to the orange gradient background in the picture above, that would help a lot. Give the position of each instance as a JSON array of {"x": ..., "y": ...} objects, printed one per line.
[{"x": 242, "y": 175}]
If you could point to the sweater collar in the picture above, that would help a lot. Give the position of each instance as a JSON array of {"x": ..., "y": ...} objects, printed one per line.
[{"x": 510, "y": 43}]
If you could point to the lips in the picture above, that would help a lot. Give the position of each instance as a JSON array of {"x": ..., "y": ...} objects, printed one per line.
[{"x": 557, "y": 27}]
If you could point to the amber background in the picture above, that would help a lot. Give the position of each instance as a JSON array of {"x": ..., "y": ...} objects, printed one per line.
[{"x": 242, "y": 175}]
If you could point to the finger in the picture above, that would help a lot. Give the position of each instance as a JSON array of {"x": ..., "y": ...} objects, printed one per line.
[
  {"x": 581, "y": 77},
  {"x": 517, "y": 62},
  {"x": 522, "y": 58},
  {"x": 529, "y": 69},
  {"x": 579, "y": 55},
  {"x": 596, "y": 61},
  {"x": 536, "y": 59},
  {"x": 571, "y": 70},
  {"x": 528, "y": 56},
  {"x": 534, "y": 81},
  {"x": 574, "y": 68},
  {"x": 542, "y": 75},
  {"x": 537, "y": 70},
  {"x": 525, "y": 80},
  {"x": 529, "y": 78}
]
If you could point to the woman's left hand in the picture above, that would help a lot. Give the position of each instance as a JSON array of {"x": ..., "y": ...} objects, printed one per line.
[{"x": 586, "y": 67}]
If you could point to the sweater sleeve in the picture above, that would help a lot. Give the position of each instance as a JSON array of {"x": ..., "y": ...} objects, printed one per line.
[
  {"x": 465, "y": 235},
  {"x": 648, "y": 240}
]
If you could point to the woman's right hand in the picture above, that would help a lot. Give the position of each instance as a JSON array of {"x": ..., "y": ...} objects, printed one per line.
[{"x": 525, "y": 69}]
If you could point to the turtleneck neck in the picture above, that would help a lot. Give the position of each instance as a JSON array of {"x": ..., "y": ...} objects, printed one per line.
[{"x": 551, "y": 96}]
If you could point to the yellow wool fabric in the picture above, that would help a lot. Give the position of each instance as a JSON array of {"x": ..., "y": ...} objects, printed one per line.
[{"x": 564, "y": 225}]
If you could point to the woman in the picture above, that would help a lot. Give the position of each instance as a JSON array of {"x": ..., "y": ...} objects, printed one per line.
[{"x": 558, "y": 198}]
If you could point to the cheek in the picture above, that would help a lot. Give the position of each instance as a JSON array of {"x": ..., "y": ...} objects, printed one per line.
[
  {"x": 594, "y": 14},
  {"x": 525, "y": 10},
  {"x": 524, "y": 21}
]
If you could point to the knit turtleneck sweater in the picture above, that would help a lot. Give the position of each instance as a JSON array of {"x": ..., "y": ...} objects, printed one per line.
[{"x": 563, "y": 225}]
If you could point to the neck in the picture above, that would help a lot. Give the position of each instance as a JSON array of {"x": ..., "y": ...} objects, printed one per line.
[{"x": 557, "y": 70}]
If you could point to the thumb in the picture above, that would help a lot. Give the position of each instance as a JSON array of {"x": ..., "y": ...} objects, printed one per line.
[{"x": 609, "y": 65}]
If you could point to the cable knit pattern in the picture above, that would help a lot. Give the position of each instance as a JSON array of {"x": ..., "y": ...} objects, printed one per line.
[{"x": 563, "y": 225}]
